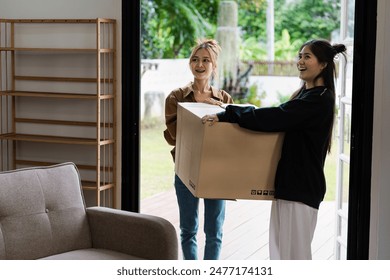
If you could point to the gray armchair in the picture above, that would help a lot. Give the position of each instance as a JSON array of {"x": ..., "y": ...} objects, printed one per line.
[{"x": 43, "y": 216}]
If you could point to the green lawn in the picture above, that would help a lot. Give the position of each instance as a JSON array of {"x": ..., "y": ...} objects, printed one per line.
[
  {"x": 157, "y": 168},
  {"x": 330, "y": 173}
]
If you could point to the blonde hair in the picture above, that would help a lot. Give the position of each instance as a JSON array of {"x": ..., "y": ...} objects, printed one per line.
[{"x": 212, "y": 47}]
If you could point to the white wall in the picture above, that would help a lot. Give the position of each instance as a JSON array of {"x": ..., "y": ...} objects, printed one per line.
[
  {"x": 75, "y": 9},
  {"x": 60, "y": 8},
  {"x": 380, "y": 182}
]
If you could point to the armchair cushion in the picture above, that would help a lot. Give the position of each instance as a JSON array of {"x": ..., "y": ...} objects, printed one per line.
[{"x": 91, "y": 254}]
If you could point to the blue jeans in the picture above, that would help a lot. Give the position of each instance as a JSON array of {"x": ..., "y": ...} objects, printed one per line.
[{"x": 214, "y": 217}]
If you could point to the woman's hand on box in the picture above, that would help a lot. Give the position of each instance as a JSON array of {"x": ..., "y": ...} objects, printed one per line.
[
  {"x": 210, "y": 118},
  {"x": 212, "y": 101}
]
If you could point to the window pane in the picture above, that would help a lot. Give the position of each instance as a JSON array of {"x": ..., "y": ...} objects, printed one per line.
[
  {"x": 345, "y": 187},
  {"x": 351, "y": 18},
  {"x": 347, "y": 130},
  {"x": 349, "y": 72}
]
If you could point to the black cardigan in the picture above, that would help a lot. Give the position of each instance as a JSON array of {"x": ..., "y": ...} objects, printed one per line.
[{"x": 306, "y": 121}]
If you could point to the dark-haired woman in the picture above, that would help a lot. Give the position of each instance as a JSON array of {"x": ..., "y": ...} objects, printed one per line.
[{"x": 307, "y": 121}]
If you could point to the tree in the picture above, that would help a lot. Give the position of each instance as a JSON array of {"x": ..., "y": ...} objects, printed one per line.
[
  {"x": 169, "y": 28},
  {"x": 252, "y": 18},
  {"x": 307, "y": 19},
  {"x": 296, "y": 21}
]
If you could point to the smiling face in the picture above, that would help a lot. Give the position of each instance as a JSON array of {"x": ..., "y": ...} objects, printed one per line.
[
  {"x": 201, "y": 64},
  {"x": 309, "y": 68}
]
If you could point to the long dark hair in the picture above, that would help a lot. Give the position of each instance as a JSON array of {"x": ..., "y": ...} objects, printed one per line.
[{"x": 325, "y": 53}]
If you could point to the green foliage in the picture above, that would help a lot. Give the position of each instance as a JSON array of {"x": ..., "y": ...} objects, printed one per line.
[
  {"x": 252, "y": 19},
  {"x": 252, "y": 97},
  {"x": 251, "y": 49},
  {"x": 295, "y": 23},
  {"x": 169, "y": 28},
  {"x": 285, "y": 50},
  {"x": 307, "y": 19},
  {"x": 281, "y": 99}
]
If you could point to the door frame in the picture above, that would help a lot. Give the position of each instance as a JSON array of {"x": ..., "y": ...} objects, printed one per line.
[
  {"x": 131, "y": 91},
  {"x": 361, "y": 130},
  {"x": 361, "y": 123}
]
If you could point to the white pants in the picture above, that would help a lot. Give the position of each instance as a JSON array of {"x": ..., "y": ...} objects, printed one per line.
[{"x": 292, "y": 226}]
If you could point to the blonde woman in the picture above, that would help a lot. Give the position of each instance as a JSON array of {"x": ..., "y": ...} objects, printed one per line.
[{"x": 203, "y": 65}]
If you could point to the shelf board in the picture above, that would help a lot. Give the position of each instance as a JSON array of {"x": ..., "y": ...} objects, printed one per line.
[
  {"x": 57, "y": 50},
  {"x": 106, "y": 186},
  {"x": 45, "y": 163},
  {"x": 53, "y": 139},
  {"x": 46, "y": 50},
  {"x": 88, "y": 185},
  {"x": 62, "y": 79},
  {"x": 95, "y": 20},
  {"x": 56, "y": 95},
  {"x": 61, "y": 122}
]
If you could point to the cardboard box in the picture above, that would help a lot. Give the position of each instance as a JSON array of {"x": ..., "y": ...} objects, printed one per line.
[{"x": 224, "y": 161}]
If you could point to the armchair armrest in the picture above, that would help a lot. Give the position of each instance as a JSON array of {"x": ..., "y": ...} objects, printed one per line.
[{"x": 140, "y": 235}]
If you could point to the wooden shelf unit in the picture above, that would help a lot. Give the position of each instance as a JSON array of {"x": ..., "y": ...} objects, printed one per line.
[{"x": 76, "y": 58}]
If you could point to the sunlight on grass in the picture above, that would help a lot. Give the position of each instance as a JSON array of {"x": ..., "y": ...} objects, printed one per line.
[
  {"x": 330, "y": 174},
  {"x": 157, "y": 167}
]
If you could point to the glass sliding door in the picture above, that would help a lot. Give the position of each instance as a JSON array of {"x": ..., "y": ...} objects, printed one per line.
[{"x": 344, "y": 127}]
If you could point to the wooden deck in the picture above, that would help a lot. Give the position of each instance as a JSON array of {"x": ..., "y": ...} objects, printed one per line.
[{"x": 246, "y": 227}]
